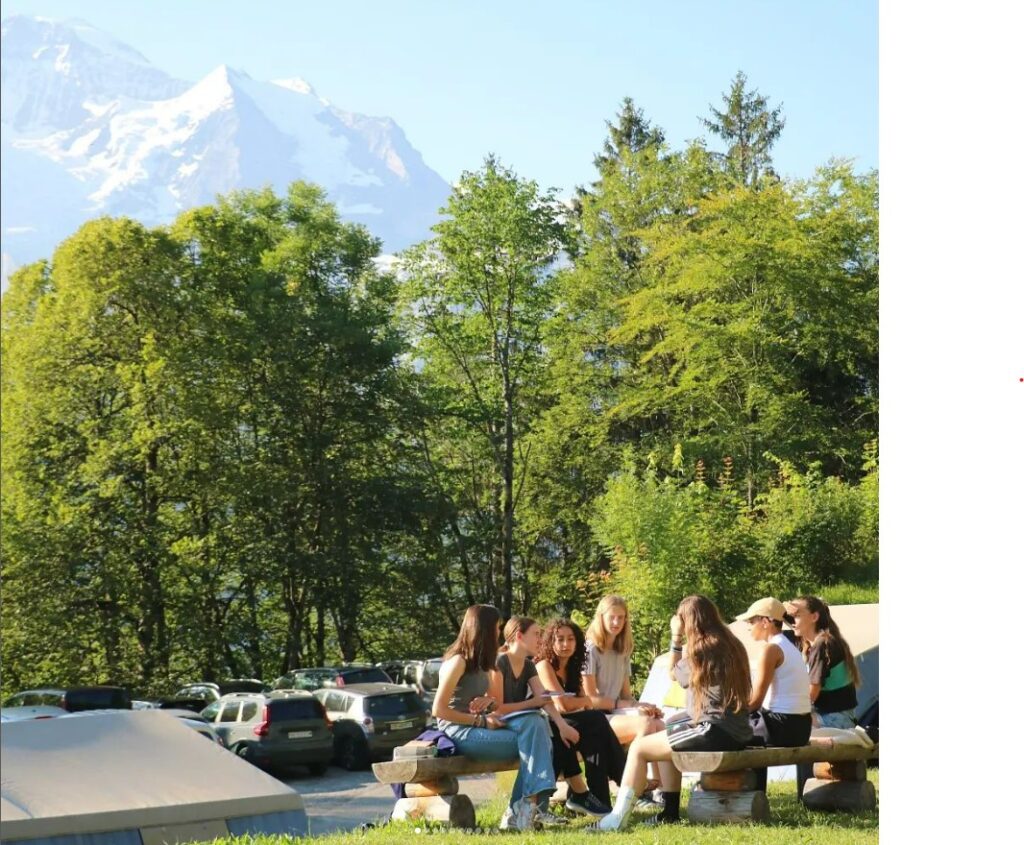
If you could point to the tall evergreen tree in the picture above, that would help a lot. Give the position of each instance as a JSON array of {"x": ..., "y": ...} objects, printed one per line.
[{"x": 750, "y": 128}]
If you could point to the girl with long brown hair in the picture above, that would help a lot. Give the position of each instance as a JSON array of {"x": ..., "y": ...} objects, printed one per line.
[
  {"x": 465, "y": 696},
  {"x": 831, "y": 666},
  {"x": 717, "y": 672}
]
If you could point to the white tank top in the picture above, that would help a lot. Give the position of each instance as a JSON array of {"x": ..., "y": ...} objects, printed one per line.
[{"x": 790, "y": 689}]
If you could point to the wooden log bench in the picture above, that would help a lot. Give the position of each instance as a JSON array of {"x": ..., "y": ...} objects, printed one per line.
[
  {"x": 728, "y": 787},
  {"x": 432, "y": 786}
]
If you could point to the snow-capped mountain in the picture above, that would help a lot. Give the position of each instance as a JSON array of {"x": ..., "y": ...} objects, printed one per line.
[{"x": 90, "y": 127}]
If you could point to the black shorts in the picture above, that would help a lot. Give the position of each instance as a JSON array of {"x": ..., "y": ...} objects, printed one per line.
[
  {"x": 787, "y": 730},
  {"x": 704, "y": 736}
]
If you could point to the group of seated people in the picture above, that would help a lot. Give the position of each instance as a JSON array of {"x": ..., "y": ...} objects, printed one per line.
[{"x": 497, "y": 682}]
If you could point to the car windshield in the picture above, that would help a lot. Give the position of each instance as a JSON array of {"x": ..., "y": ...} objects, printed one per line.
[
  {"x": 315, "y": 678},
  {"x": 293, "y": 709},
  {"x": 403, "y": 704}
]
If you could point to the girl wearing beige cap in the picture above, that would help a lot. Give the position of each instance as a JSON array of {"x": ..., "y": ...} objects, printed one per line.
[{"x": 780, "y": 690}]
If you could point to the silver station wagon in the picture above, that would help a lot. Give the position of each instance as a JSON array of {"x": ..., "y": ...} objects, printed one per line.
[{"x": 370, "y": 720}]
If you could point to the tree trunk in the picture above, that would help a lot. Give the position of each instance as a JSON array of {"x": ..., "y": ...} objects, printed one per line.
[
  {"x": 320, "y": 632},
  {"x": 508, "y": 505}
]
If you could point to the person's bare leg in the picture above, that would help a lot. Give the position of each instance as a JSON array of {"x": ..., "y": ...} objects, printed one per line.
[
  {"x": 642, "y": 751},
  {"x": 628, "y": 728},
  {"x": 671, "y": 777},
  {"x": 654, "y": 780},
  {"x": 577, "y": 784}
]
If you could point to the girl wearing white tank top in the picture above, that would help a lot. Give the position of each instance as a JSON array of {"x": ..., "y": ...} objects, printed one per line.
[{"x": 780, "y": 689}]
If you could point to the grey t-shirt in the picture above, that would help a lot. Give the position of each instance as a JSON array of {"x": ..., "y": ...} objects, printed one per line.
[
  {"x": 609, "y": 668},
  {"x": 513, "y": 688},
  {"x": 471, "y": 685}
]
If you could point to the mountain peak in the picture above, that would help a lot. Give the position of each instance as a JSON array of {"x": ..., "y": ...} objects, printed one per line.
[
  {"x": 90, "y": 127},
  {"x": 295, "y": 83},
  {"x": 52, "y": 68}
]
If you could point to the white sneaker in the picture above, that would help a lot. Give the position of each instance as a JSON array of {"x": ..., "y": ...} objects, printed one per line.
[
  {"x": 547, "y": 819},
  {"x": 506, "y": 819},
  {"x": 617, "y": 820},
  {"x": 524, "y": 816}
]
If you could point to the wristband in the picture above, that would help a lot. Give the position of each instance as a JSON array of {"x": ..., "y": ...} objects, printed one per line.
[{"x": 678, "y": 649}]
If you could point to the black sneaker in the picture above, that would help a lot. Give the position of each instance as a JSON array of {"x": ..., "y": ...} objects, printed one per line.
[{"x": 586, "y": 804}]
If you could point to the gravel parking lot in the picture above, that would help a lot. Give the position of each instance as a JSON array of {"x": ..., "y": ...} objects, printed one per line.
[{"x": 341, "y": 800}]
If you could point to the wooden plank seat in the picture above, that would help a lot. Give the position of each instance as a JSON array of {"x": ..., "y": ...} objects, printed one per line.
[
  {"x": 728, "y": 793},
  {"x": 432, "y": 786}
]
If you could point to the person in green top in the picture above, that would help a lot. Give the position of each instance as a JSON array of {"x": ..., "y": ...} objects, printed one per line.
[{"x": 831, "y": 666}]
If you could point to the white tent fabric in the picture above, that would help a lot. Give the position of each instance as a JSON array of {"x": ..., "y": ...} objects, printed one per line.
[{"x": 132, "y": 776}]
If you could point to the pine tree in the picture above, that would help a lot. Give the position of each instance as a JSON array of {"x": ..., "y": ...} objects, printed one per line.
[{"x": 751, "y": 130}]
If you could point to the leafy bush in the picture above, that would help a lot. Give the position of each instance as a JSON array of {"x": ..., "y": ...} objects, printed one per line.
[{"x": 669, "y": 537}]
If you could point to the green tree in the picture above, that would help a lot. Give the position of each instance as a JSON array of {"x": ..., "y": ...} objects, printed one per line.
[
  {"x": 195, "y": 422},
  {"x": 478, "y": 295},
  {"x": 86, "y": 453},
  {"x": 759, "y": 331},
  {"x": 750, "y": 128}
]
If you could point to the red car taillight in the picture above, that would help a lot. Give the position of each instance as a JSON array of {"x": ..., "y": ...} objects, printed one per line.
[{"x": 262, "y": 728}]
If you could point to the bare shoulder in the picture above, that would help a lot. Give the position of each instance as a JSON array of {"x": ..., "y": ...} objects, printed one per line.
[{"x": 456, "y": 663}]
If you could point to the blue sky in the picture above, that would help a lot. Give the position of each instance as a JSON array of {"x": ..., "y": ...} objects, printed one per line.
[{"x": 533, "y": 83}]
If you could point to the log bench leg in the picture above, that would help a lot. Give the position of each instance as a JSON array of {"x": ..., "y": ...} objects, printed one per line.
[
  {"x": 728, "y": 798},
  {"x": 436, "y": 801},
  {"x": 839, "y": 786}
]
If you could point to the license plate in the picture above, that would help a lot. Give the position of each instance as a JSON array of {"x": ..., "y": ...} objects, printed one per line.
[
  {"x": 299, "y": 734},
  {"x": 398, "y": 726}
]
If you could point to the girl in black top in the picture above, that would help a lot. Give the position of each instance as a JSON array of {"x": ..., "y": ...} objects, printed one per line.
[{"x": 560, "y": 667}]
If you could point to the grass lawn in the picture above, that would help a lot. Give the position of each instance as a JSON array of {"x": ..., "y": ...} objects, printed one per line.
[{"x": 790, "y": 824}]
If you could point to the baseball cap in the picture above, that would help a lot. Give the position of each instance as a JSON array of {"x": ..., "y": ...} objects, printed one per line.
[{"x": 770, "y": 607}]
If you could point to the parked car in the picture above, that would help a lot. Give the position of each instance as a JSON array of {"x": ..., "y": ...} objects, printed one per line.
[
  {"x": 282, "y": 728},
  {"x": 370, "y": 720},
  {"x": 395, "y": 670},
  {"x": 196, "y": 722},
  {"x": 205, "y": 690},
  {"x": 30, "y": 711},
  {"x": 331, "y": 676},
  {"x": 430, "y": 675},
  {"x": 243, "y": 685},
  {"x": 73, "y": 699},
  {"x": 138, "y": 704},
  {"x": 196, "y": 705}
]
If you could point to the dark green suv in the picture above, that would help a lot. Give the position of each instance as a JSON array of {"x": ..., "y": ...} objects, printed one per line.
[{"x": 287, "y": 728}]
